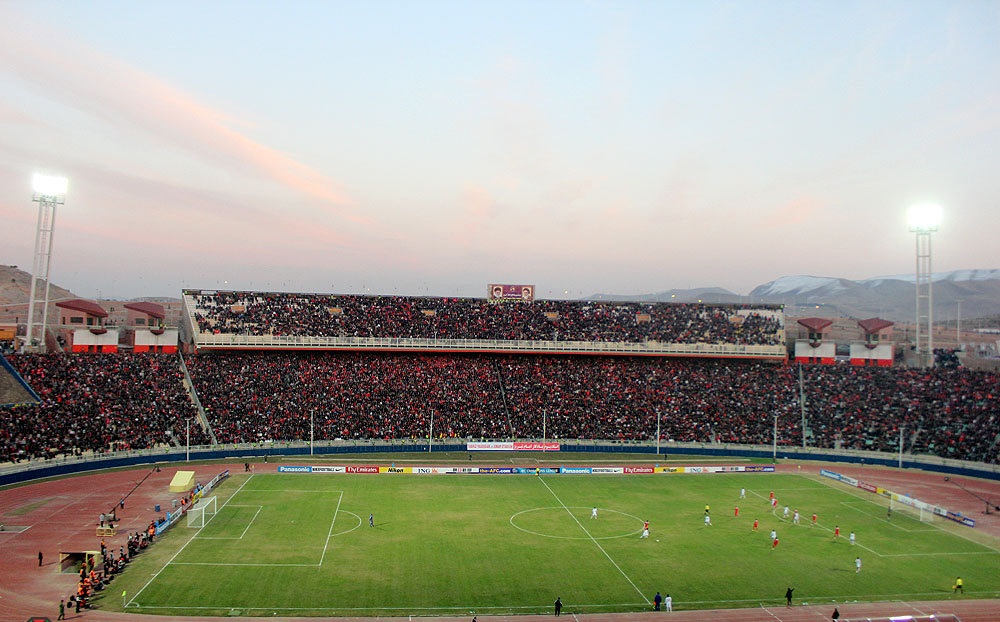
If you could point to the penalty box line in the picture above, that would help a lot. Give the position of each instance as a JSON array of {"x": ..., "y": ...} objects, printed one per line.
[
  {"x": 184, "y": 546},
  {"x": 326, "y": 543},
  {"x": 593, "y": 539},
  {"x": 774, "y": 511},
  {"x": 245, "y": 530}
]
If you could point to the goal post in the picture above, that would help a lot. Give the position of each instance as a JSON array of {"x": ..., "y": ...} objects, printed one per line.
[
  {"x": 201, "y": 512},
  {"x": 916, "y": 512}
]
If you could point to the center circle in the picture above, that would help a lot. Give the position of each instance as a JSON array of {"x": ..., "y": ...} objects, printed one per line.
[{"x": 575, "y": 523}]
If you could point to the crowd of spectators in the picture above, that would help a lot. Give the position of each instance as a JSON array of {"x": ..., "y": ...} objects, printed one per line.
[
  {"x": 256, "y": 396},
  {"x": 97, "y": 403},
  {"x": 105, "y": 402},
  {"x": 322, "y": 315}
]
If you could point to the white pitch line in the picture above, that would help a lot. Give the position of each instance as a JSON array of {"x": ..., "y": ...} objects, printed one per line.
[
  {"x": 329, "y": 534},
  {"x": 239, "y": 564},
  {"x": 157, "y": 573},
  {"x": 594, "y": 540},
  {"x": 857, "y": 495}
]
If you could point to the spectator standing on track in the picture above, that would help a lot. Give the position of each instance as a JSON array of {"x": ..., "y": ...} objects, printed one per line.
[
  {"x": 558, "y": 605},
  {"x": 62, "y": 609},
  {"x": 836, "y": 614},
  {"x": 39, "y": 559}
]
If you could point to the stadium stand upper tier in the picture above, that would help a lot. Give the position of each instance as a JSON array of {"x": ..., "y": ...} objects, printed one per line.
[{"x": 259, "y": 319}]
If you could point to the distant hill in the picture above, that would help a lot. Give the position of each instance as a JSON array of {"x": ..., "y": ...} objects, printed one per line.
[
  {"x": 15, "y": 287},
  {"x": 889, "y": 297},
  {"x": 15, "y": 293}
]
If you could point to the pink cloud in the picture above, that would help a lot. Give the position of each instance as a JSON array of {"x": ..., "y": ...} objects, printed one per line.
[{"x": 106, "y": 87}]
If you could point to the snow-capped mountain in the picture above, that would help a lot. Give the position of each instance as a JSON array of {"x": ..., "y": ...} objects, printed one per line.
[{"x": 887, "y": 297}]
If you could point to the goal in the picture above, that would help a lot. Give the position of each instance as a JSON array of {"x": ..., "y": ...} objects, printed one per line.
[
  {"x": 201, "y": 512},
  {"x": 916, "y": 511}
]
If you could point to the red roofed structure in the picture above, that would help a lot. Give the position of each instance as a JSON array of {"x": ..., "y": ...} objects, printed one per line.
[
  {"x": 147, "y": 330},
  {"x": 877, "y": 348},
  {"x": 815, "y": 349},
  {"x": 82, "y": 329}
]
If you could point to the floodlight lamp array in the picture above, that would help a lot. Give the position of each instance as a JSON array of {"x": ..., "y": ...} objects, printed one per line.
[
  {"x": 49, "y": 188},
  {"x": 924, "y": 217}
]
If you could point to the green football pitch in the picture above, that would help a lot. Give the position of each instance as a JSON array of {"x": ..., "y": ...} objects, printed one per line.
[{"x": 301, "y": 544}]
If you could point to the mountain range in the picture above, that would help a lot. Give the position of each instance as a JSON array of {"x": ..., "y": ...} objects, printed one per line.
[
  {"x": 977, "y": 292},
  {"x": 893, "y": 298}
]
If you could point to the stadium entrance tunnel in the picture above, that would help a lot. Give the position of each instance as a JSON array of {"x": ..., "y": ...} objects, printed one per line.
[{"x": 69, "y": 561}]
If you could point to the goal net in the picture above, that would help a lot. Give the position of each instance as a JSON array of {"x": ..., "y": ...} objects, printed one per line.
[
  {"x": 201, "y": 512},
  {"x": 916, "y": 511}
]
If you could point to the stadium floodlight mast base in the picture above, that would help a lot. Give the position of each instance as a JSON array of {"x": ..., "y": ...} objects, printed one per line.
[
  {"x": 924, "y": 220},
  {"x": 49, "y": 193}
]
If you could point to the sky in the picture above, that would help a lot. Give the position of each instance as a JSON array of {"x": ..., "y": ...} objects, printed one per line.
[{"x": 431, "y": 147}]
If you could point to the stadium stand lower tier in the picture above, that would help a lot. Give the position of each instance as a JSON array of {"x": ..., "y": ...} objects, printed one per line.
[
  {"x": 97, "y": 403},
  {"x": 133, "y": 401}
]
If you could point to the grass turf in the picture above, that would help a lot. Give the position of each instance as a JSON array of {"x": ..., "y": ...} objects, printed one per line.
[{"x": 300, "y": 544}]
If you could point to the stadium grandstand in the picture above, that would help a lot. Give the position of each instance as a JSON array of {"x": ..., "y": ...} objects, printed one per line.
[{"x": 261, "y": 367}]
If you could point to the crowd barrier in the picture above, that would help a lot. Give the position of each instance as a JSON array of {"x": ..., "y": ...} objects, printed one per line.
[{"x": 61, "y": 467}]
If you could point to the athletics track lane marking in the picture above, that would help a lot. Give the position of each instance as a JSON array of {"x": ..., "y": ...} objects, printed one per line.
[{"x": 593, "y": 539}]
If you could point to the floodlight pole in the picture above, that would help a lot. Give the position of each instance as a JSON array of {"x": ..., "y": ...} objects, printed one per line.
[
  {"x": 924, "y": 221},
  {"x": 802, "y": 404},
  {"x": 657, "y": 431},
  {"x": 901, "y": 428},
  {"x": 958, "y": 327},
  {"x": 49, "y": 193},
  {"x": 774, "y": 448}
]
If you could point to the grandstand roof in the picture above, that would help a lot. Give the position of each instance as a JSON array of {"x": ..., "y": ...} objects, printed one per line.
[
  {"x": 84, "y": 306},
  {"x": 816, "y": 324},
  {"x": 151, "y": 309},
  {"x": 874, "y": 324}
]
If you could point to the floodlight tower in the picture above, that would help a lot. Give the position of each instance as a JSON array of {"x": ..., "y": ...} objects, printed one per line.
[
  {"x": 924, "y": 220},
  {"x": 49, "y": 192}
]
